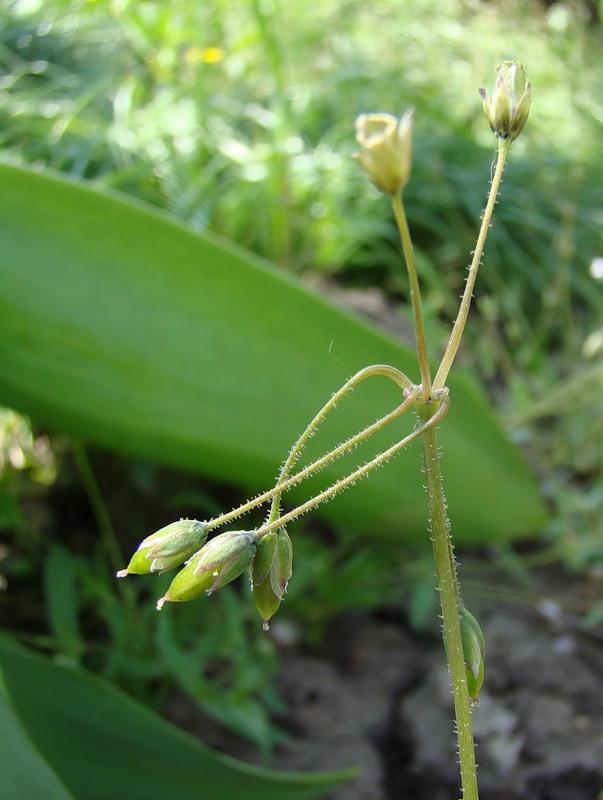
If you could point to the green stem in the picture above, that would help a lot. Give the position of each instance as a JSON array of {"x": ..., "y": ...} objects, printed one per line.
[
  {"x": 101, "y": 515},
  {"x": 415, "y": 292},
  {"x": 383, "y": 370},
  {"x": 99, "y": 509},
  {"x": 449, "y": 602},
  {"x": 504, "y": 146},
  {"x": 361, "y": 472},
  {"x": 285, "y": 483}
]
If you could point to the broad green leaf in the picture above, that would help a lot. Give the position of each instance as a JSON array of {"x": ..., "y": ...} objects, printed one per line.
[
  {"x": 103, "y": 744},
  {"x": 123, "y": 327},
  {"x": 25, "y": 774}
]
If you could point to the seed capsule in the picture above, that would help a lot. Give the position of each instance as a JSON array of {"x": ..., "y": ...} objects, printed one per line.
[
  {"x": 167, "y": 548},
  {"x": 270, "y": 572},
  {"x": 220, "y": 561},
  {"x": 474, "y": 652}
]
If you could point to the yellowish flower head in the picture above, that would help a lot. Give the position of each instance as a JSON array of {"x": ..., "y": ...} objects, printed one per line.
[{"x": 386, "y": 149}]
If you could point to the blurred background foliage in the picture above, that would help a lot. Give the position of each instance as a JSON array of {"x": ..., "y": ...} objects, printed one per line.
[{"x": 215, "y": 111}]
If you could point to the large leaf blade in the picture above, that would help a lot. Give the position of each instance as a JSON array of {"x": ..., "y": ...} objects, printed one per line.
[
  {"x": 25, "y": 774},
  {"x": 121, "y": 326}
]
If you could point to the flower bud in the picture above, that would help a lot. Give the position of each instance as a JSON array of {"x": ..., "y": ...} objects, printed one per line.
[
  {"x": 386, "y": 152},
  {"x": 474, "y": 652},
  {"x": 270, "y": 572},
  {"x": 508, "y": 109},
  {"x": 220, "y": 561},
  {"x": 167, "y": 548}
]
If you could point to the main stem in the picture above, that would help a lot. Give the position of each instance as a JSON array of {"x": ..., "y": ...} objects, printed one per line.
[{"x": 449, "y": 603}]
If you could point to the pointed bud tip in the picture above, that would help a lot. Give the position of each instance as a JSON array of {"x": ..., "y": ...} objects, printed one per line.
[
  {"x": 123, "y": 573},
  {"x": 160, "y": 603}
]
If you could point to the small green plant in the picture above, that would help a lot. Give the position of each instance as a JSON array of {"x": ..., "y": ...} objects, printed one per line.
[{"x": 266, "y": 552}]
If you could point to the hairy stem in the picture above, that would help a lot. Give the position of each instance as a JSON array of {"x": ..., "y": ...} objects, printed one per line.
[
  {"x": 368, "y": 372},
  {"x": 504, "y": 146},
  {"x": 361, "y": 472},
  {"x": 284, "y": 483},
  {"x": 449, "y": 603}
]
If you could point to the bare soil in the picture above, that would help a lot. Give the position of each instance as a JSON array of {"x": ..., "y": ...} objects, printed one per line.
[{"x": 376, "y": 695}]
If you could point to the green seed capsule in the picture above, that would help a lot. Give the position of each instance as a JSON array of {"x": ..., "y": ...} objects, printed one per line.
[
  {"x": 263, "y": 559},
  {"x": 474, "y": 652},
  {"x": 270, "y": 572},
  {"x": 220, "y": 561},
  {"x": 266, "y": 602},
  {"x": 167, "y": 548}
]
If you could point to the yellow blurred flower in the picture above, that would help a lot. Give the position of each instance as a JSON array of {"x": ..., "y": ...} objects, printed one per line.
[{"x": 204, "y": 55}]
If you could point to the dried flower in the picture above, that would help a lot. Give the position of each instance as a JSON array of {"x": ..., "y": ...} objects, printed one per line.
[{"x": 508, "y": 109}]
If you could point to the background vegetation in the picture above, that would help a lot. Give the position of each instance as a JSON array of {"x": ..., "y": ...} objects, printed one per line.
[{"x": 236, "y": 117}]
